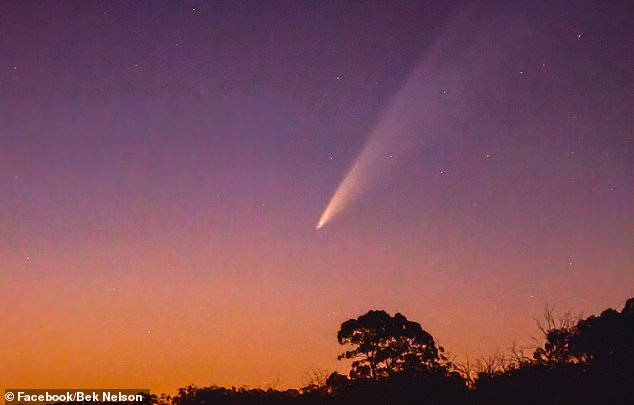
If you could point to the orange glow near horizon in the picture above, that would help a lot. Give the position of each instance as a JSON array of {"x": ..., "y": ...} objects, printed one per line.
[{"x": 162, "y": 329}]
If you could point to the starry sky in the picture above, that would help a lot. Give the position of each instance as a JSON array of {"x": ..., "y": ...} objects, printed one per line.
[{"x": 163, "y": 166}]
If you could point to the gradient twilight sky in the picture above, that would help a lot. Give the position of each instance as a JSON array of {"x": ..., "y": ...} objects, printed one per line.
[{"x": 163, "y": 166}]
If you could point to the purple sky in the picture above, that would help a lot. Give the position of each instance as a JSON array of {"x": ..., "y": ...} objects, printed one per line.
[{"x": 163, "y": 166}]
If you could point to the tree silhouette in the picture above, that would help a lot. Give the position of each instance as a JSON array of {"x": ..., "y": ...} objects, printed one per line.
[
  {"x": 384, "y": 345},
  {"x": 607, "y": 339},
  {"x": 596, "y": 340},
  {"x": 589, "y": 361},
  {"x": 557, "y": 331}
]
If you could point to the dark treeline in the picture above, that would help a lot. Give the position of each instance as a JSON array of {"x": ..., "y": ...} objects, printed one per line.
[
  {"x": 580, "y": 361},
  {"x": 395, "y": 361}
]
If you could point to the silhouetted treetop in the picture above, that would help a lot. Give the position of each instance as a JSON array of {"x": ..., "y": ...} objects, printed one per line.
[
  {"x": 384, "y": 345},
  {"x": 607, "y": 338}
]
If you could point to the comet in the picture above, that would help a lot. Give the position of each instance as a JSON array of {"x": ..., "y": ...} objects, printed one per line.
[
  {"x": 388, "y": 143},
  {"x": 418, "y": 110}
]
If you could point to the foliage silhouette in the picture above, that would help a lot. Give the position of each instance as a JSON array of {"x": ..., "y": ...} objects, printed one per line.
[
  {"x": 606, "y": 340},
  {"x": 587, "y": 362},
  {"x": 384, "y": 346},
  {"x": 582, "y": 361}
]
